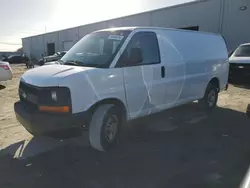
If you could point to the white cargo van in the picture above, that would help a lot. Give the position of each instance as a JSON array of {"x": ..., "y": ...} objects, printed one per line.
[{"x": 120, "y": 74}]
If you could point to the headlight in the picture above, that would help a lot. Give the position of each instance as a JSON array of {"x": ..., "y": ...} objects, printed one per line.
[{"x": 53, "y": 95}]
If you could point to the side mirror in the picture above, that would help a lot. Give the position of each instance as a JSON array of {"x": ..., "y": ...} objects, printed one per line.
[{"x": 135, "y": 56}]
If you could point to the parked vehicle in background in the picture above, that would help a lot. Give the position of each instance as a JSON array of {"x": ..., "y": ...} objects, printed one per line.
[
  {"x": 4, "y": 58},
  {"x": 239, "y": 62},
  {"x": 116, "y": 75},
  {"x": 16, "y": 59},
  {"x": 230, "y": 53},
  {"x": 41, "y": 62},
  {"x": 5, "y": 71},
  {"x": 55, "y": 57}
]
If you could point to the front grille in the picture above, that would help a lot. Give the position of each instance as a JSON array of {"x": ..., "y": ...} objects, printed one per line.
[
  {"x": 32, "y": 96},
  {"x": 28, "y": 88},
  {"x": 28, "y": 95},
  {"x": 30, "y": 106}
]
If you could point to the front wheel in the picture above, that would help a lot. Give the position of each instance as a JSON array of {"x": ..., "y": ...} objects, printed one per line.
[
  {"x": 104, "y": 127},
  {"x": 209, "y": 101}
]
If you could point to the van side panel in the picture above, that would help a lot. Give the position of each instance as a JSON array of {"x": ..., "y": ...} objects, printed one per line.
[
  {"x": 174, "y": 64},
  {"x": 205, "y": 57}
]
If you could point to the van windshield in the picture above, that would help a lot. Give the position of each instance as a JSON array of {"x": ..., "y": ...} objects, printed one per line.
[
  {"x": 96, "y": 49},
  {"x": 243, "y": 51}
]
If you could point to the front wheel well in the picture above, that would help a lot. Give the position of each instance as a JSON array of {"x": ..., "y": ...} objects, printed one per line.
[
  {"x": 114, "y": 101},
  {"x": 215, "y": 81}
]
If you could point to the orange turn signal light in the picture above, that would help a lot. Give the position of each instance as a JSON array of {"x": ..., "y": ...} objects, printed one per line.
[{"x": 58, "y": 109}]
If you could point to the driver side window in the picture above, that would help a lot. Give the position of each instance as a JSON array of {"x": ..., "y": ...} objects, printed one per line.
[{"x": 142, "y": 49}]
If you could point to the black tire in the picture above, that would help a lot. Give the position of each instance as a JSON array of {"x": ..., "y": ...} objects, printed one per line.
[
  {"x": 98, "y": 130},
  {"x": 207, "y": 103},
  {"x": 248, "y": 111}
]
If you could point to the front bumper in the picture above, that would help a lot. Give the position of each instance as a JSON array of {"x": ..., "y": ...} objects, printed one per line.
[{"x": 39, "y": 123}]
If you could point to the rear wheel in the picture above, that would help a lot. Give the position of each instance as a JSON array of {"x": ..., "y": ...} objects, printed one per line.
[
  {"x": 209, "y": 101},
  {"x": 104, "y": 127}
]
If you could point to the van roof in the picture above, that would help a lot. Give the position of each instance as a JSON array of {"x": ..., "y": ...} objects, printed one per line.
[{"x": 156, "y": 28}]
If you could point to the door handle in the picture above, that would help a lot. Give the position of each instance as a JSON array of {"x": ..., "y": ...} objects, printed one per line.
[{"x": 163, "y": 72}]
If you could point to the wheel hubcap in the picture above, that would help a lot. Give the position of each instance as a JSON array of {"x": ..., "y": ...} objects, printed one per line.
[
  {"x": 211, "y": 98},
  {"x": 111, "y": 128}
]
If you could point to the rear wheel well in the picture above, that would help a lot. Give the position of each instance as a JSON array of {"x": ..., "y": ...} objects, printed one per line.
[{"x": 114, "y": 101}]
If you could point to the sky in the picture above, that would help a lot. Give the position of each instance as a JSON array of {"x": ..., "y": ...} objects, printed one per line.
[{"x": 23, "y": 18}]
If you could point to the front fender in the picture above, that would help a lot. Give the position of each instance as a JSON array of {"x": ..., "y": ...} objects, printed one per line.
[{"x": 89, "y": 87}]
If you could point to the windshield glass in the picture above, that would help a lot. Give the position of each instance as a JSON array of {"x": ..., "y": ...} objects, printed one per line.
[
  {"x": 96, "y": 49},
  {"x": 243, "y": 51}
]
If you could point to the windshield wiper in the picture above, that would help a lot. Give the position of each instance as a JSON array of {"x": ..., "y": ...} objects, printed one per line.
[
  {"x": 79, "y": 63},
  {"x": 60, "y": 61},
  {"x": 72, "y": 62}
]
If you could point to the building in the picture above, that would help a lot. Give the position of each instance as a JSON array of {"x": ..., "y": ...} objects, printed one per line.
[{"x": 231, "y": 18}]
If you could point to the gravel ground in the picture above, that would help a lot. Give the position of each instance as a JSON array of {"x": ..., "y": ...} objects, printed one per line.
[
  {"x": 10, "y": 130},
  {"x": 195, "y": 150}
]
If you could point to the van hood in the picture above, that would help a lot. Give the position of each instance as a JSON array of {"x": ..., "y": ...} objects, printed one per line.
[
  {"x": 50, "y": 75},
  {"x": 242, "y": 60}
]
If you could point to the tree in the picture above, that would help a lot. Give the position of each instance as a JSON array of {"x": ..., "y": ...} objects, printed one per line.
[{"x": 20, "y": 50}]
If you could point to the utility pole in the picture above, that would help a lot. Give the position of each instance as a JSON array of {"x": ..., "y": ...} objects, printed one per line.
[
  {"x": 221, "y": 19},
  {"x": 44, "y": 46}
]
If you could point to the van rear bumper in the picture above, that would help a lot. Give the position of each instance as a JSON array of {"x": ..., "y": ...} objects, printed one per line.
[{"x": 39, "y": 123}]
